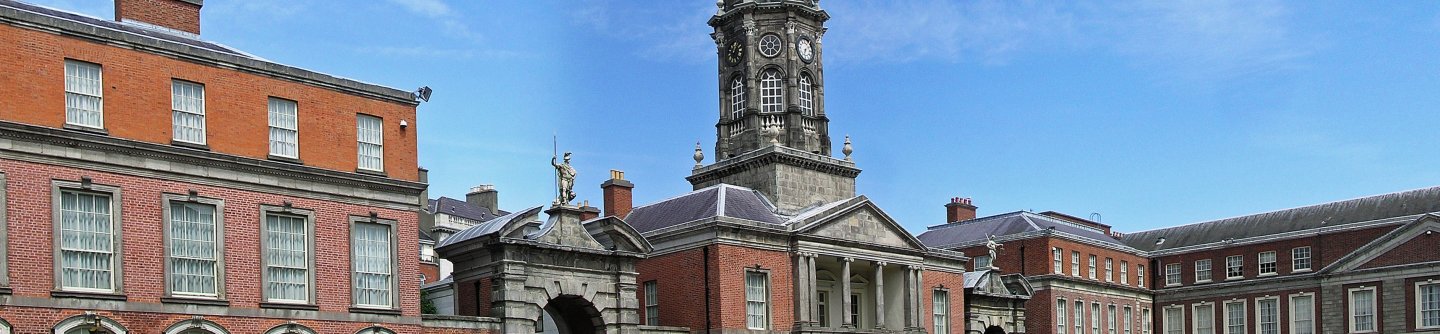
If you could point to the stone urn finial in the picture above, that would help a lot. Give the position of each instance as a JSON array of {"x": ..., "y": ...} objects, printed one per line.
[
  {"x": 772, "y": 133},
  {"x": 699, "y": 155},
  {"x": 847, "y": 149}
]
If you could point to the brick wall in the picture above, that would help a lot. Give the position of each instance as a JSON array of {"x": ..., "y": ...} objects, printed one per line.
[
  {"x": 680, "y": 287},
  {"x": 29, "y": 207},
  {"x": 137, "y": 100},
  {"x": 1036, "y": 259},
  {"x": 173, "y": 14},
  {"x": 431, "y": 272},
  {"x": 955, "y": 283},
  {"x": 1040, "y": 311},
  {"x": 473, "y": 297},
  {"x": 1422, "y": 248},
  {"x": 730, "y": 263},
  {"x": 41, "y": 320},
  {"x": 1324, "y": 250},
  {"x": 1282, "y": 297}
]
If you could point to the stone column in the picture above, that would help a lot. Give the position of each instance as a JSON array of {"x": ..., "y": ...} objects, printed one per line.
[
  {"x": 879, "y": 295},
  {"x": 909, "y": 297},
  {"x": 802, "y": 294},
  {"x": 845, "y": 293},
  {"x": 919, "y": 297},
  {"x": 812, "y": 289}
]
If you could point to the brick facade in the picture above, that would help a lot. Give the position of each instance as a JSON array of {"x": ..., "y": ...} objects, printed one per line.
[{"x": 183, "y": 15}]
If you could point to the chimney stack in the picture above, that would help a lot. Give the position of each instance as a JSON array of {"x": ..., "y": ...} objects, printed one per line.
[
  {"x": 617, "y": 194},
  {"x": 178, "y": 15},
  {"x": 484, "y": 196},
  {"x": 959, "y": 209},
  {"x": 588, "y": 212}
]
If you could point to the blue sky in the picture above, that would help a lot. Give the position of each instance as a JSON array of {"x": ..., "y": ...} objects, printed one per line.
[{"x": 1150, "y": 113}]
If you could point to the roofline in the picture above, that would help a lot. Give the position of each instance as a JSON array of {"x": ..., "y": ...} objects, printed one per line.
[
  {"x": 26, "y": 19},
  {"x": 1280, "y": 210}
]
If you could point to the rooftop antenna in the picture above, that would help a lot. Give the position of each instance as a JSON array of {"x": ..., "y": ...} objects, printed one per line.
[{"x": 1095, "y": 217}]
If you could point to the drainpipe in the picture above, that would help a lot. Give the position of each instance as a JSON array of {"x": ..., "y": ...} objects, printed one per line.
[{"x": 1022, "y": 261}]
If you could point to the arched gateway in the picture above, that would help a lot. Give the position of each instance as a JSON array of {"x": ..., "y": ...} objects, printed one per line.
[{"x": 561, "y": 276}]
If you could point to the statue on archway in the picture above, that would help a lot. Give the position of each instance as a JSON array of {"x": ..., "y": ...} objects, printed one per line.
[{"x": 565, "y": 180}]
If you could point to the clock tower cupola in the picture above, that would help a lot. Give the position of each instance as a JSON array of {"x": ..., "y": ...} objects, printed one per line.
[{"x": 773, "y": 133}]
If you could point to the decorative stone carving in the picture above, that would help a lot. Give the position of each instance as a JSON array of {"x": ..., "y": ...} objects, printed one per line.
[
  {"x": 990, "y": 246},
  {"x": 699, "y": 155},
  {"x": 847, "y": 149},
  {"x": 564, "y": 181}
]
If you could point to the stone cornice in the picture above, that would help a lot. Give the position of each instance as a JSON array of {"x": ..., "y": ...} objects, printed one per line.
[
  {"x": 805, "y": 7},
  {"x": 26, "y": 19},
  {"x": 772, "y": 155},
  {"x": 100, "y": 149}
]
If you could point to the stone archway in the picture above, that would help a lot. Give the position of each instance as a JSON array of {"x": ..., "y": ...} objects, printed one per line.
[{"x": 574, "y": 315}]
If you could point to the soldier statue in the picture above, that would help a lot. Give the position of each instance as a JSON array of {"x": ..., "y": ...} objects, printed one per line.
[{"x": 565, "y": 180}]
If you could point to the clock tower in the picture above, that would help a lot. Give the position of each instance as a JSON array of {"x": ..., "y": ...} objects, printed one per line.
[{"x": 773, "y": 134}]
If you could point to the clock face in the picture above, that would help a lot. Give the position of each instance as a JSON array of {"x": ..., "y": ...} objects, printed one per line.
[
  {"x": 770, "y": 45},
  {"x": 735, "y": 52},
  {"x": 807, "y": 53}
]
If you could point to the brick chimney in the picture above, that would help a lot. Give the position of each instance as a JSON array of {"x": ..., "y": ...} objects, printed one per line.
[
  {"x": 588, "y": 212},
  {"x": 617, "y": 194},
  {"x": 959, "y": 209},
  {"x": 484, "y": 196},
  {"x": 181, "y": 15}
]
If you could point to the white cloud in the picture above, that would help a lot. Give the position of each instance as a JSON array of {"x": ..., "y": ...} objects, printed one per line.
[
  {"x": 429, "y": 8},
  {"x": 1208, "y": 39},
  {"x": 664, "y": 34}
]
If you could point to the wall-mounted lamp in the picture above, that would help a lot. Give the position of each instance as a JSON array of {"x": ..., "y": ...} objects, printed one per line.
[{"x": 404, "y": 124}]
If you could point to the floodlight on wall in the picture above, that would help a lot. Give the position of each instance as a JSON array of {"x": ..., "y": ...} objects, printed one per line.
[
  {"x": 422, "y": 94},
  {"x": 404, "y": 124}
]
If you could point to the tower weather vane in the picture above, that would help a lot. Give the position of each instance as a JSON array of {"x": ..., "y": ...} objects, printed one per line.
[{"x": 564, "y": 178}]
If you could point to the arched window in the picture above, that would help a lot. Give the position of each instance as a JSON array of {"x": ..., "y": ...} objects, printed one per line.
[
  {"x": 807, "y": 96},
  {"x": 375, "y": 330},
  {"x": 290, "y": 328},
  {"x": 737, "y": 97},
  {"x": 772, "y": 92},
  {"x": 196, "y": 325},
  {"x": 5, "y": 327},
  {"x": 89, "y": 323}
]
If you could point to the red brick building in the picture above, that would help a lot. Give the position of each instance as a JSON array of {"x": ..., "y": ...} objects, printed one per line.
[{"x": 154, "y": 182}]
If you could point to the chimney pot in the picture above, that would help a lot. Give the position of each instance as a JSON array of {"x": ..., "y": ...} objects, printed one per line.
[
  {"x": 960, "y": 209},
  {"x": 484, "y": 196},
  {"x": 177, "y": 15},
  {"x": 617, "y": 192}
]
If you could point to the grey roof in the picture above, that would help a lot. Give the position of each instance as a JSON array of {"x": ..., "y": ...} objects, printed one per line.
[
  {"x": 425, "y": 236},
  {"x": 714, "y": 201},
  {"x": 462, "y": 209},
  {"x": 1400, "y": 204},
  {"x": 124, "y": 27},
  {"x": 1006, "y": 224},
  {"x": 486, "y": 228}
]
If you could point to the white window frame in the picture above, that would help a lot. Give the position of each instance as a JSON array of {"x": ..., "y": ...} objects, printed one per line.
[
  {"x": 1171, "y": 326},
  {"x": 362, "y": 140},
  {"x": 1195, "y": 321},
  {"x": 1226, "y": 321},
  {"x": 1129, "y": 319},
  {"x": 1260, "y": 315},
  {"x": 1273, "y": 263},
  {"x": 651, "y": 289},
  {"x": 737, "y": 97},
  {"x": 982, "y": 262},
  {"x": 117, "y": 267},
  {"x": 1059, "y": 261},
  {"x": 940, "y": 310},
  {"x": 806, "y": 95},
  {"x": 1309, "y": 310},
  {"x": 1300, "y": 263},
  {"x": 1203, "y": 271},
  {"x": 1124, "y": 272},
  {"x": 1114, "y": 319},
  {"x": 218, "y": 214},
  {"x": 1420, "y": 304},
  {"x": 1234, "y": 267},
  {"x": 1075, "y": 263},
  {"x": 1109, "y": 269},
  {"x": 1079, "y": 317},
  {"x": 286, "y": 211},
  {"x": 284, "y": 121},
  {"x": 1095, "y": 318},
  {"x": 1140, "y": 275},
  {"x": 1351, "y": 310},
  {"x": 1172, "y": 274},
  {"x": 356, "y": 222},
  {"x": 183, "y": 106},
  {"x": 73, "y": 87},
  {"x": 1146, "y": 322},
  {"x": 763, "y": 301},
  {"x": 1062, "y": 327},
  {"x": 772, "y": 91},
  {"x": 1093, "y": 264}
]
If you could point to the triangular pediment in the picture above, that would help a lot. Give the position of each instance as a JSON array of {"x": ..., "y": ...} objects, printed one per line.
[
  {"x": 1387, "y": 250},
  {"x": 859, "y": 220}
]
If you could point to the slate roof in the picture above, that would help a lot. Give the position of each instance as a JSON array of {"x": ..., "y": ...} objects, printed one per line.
[
  {"x": 460, "y": 209},
  {"x": 714, "y": 201},
  {"x": 485, "y": 228},
  {"x": 1392, "y": 205},
  {"x": 1017, "y": 222},
  {"x": 125, "y": 27}
]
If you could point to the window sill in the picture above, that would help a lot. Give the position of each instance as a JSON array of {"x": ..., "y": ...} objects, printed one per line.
[
  {"x": 1234, "y": 278},
  {"x": 1205, "y": 281},
  {"x": 1267, "y": 274},
  {"x": 88, "y": 295},
  {"x": 189, "y": 145},
  {"x": 284, "y": 306},
  {"x": 383, "y": 311},
  {"x": 371, "y": 172},
  {"x": 285, "y": 159},
  {"x": 82, "y": 128},
  {"x": 1171, "y": 285},
  {"x": 1306, "y": 271},
  {"x": 195, "y": 301}
]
